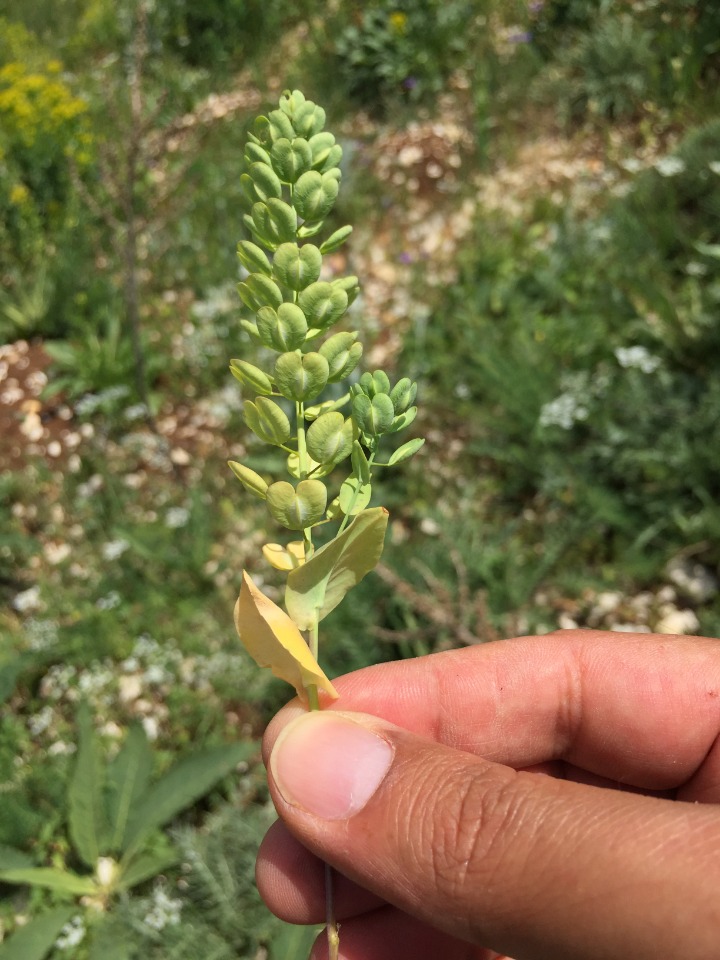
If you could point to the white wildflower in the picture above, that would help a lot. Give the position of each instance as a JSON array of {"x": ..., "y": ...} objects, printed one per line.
[
  {"x": 669, "y": 166},
  {"x": 563, "y": 411},
  {"x": 41, "y": 634},
  {"x": 27, "y": 600},
  {"x": 714, "y": 166},
  {"x": 40, "y": 722},
  {"x": 164, "y": 911},
  {"x": 72, "y": 934},
  {"x": 109, "y": 601},
  {"x": 114, "y": 549},
  {"x": 177, "y": 517},
  {"x": 638, "y": 358}
]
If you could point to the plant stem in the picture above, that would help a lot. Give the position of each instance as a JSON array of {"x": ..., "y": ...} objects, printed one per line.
[
  {"x": 331, "y": 926},
  {"x": 354, "y": 497}
]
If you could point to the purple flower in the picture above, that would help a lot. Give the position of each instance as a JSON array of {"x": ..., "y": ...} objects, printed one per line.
[
  {"x": 405, "y": 257},
  {"x": 524, "y": 37},
  {"x": 410, "y": 83}
]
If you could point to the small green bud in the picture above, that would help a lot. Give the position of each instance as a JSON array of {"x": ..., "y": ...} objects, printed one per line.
[
  {"x": 267, "y": 421},
  {"x": 403, "y": 394},
  {"x": 251, "y": 376},
  {"x": 249, "y": 479}
]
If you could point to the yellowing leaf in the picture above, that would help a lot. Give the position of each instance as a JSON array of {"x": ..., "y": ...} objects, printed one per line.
[
  {"x": 272, "y": 640},
  {"x": 285, "y": 558}
]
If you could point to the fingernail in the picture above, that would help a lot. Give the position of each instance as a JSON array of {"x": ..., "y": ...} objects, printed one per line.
[{"x": 329, "y": 765}]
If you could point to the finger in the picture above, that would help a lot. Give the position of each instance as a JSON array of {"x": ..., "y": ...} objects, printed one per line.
[
  {"x": 524, "y": 864},
  {"x": 390, "y": 934},
  {"x": 632, "y": 708},
  {"x": 291, "y": 881}
]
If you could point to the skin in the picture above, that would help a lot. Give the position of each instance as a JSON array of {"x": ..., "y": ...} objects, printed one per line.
[{"x": 548, "y": 797}]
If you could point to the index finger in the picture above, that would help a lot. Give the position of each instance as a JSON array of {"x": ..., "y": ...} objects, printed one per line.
[{"x": 636, "y": 708}]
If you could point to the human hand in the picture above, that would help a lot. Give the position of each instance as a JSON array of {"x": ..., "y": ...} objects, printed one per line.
[{"x": 545, "y": 797}]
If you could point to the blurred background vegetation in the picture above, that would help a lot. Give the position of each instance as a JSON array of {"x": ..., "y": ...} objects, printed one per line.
[{"x": 535, "y": 189}]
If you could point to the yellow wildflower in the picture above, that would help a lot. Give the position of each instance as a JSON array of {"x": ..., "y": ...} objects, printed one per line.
[{"x": 398, "y": 21}]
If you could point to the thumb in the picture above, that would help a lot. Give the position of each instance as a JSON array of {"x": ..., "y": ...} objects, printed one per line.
[{"x": 517, "y": 862}]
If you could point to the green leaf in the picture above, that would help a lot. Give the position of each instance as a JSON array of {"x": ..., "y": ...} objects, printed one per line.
[
  {"x": 147, "y": 864},
  {"x": 327, "y": 406},
  {"x": 35, "y": 940},
  {"x": 290, "y": 158},
  {"x": 293, "y": 942},
  {"x": 267, "y": 421},
  {"x": 61, "y": 881},
  {"x": 253, "y": 258},
  {"x": 185, "y": 783},
  {"x": 10, "y": 670},
  {"x": 297, "y": 508},
  {"x": 297, "y": 267},
  {"x": 322, "y": 304},
  {"x": 249, "y": 479},
  {"x": 128, "y": 778},
  {"x": 301, "y": 376},
  {"x": 314, "y": 195},
  {"x": 260, "y": 291},
  {"x": 317, "y": 587},
  {"x": 360, "y": 465},
  {"x": 12, "y": 859},
  {"x": 406, "y": 451},
  {"x": 354, "y": 496},
  {"x": 110, "y": 941},
  {"x": 336, "y": 240},
  {"x": 251, "y": 376},
  {"x": 329, "y": 438},
  {"x": 86, "y": 819}
]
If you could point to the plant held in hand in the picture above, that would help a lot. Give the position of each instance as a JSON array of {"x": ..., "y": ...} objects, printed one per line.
[{"x": 309, "y": 402}]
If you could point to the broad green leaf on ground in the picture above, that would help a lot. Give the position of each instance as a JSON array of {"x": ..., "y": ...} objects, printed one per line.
[
  {"x": 318, "y": 586},
  {"x": 274, "y": 641},
  {"x": 127, "y": 779},
  {"x": 62, "y": 881},
  {"x": 34, "y": 941},
  {"x": 148, "y": 864},
  {"x": 12, "y": 859},
  {"x": 185, "y": 783},
  {"x": 86, "y": 813}
]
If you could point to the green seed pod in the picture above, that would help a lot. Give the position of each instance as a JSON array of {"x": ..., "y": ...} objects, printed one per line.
[
  {"x": 403, "y": 394},
  {"x": 251, "y": 376},
  {"x": 266, "y": 182},
  {"x": 322, "y": 304},
  {"x": 314, "y": 195},
  {"x": 406, "y": 451},
  {"x": 403, "y": 420},
  {"x": 335, "y": 240},
  {"x": 249, "y": 479},
  {"x": 258, "y": 291},
  {"x": 297, "y": 267},
  {"x": 373, "y": 416},
  {"x": 381, "y": 382},
  {"x": 298, "y": 508},
  {"x": 254, "y": 153},
  {"x": 308, "y": 119},
  {"x": 267, "y": 420},
  {"x": 301, "y": 376},
  {"x": 274, "y": 222},
  {"x": 280, "y": 126},
  {"x": 282, "y": 329},
  {"x": 320, "y": 146},
  {"x": 329, "y": 438},
  {"x": 291, "y": 158},
  {"x": 253, "y": 258},
  {"x": 342, "y": 353}
]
